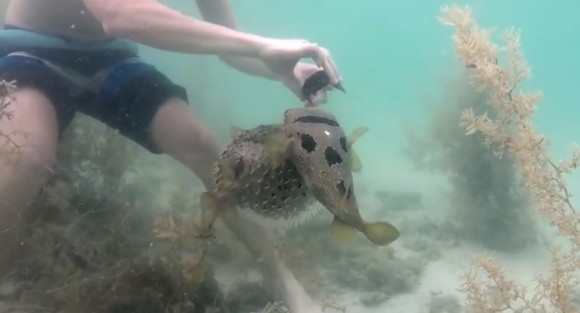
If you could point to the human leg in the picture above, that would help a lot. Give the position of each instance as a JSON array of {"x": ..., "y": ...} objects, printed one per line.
[
  {"x": 255, "y": 238},
  {"x": 37, "y": 115},
  {"x": 179, "y": 132},
  {"x": 28, "y": 142},
  {"x": 33, "y": 128},
  {"x": 148, "y": 108},
  {"x": 154, "y": 112},
  {"x": 33, "y": 131},
  {"x": 176, "y": 130}
]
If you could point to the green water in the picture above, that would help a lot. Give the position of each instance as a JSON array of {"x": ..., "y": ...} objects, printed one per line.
[
  {"x": 395, "y": 58},
  {"x": 397, "y": 61}
]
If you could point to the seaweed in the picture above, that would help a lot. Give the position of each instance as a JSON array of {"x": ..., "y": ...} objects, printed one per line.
[
  {"x": 9, "y": 148},
  {"x": 86, "y": 242},
  {"x": 487, "y": 196}
]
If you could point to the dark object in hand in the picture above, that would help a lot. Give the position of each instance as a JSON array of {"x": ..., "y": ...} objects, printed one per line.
[{"x": 315, "y": 83}]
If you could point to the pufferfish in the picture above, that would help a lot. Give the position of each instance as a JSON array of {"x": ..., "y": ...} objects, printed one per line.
[{"x": 284, "y": 171}]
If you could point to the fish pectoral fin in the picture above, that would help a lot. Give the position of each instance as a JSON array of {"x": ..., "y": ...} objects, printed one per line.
[
  {"x": 355, "y": 162},
  {"x": 341, "y": 231},
  {"x": 381, "y": 233},
  {"x": 235, "y": 131},
  {"x": 278, "y": 147},
  {"x": 356, "y": 134}
]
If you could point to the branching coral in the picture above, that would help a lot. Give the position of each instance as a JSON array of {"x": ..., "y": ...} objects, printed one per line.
[{"x": 512, "y": 133}]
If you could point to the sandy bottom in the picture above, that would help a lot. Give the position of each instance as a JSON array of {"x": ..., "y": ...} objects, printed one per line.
[
  {"x": 443, "y": 277},
  {"x": 440, "y": 278},
  {"x": 442, "y": 274}
]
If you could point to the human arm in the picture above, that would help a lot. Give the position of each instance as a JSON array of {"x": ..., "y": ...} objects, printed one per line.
[
  {"x": 291, "y": 72},
  {"x": 154, "y": 24},
  {"x": 220, "y": 12}
]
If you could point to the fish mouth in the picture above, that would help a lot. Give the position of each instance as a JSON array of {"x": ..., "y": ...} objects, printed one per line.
[
  {"x": 346, "y": 212},
  {"x": 353, "y": 220}
]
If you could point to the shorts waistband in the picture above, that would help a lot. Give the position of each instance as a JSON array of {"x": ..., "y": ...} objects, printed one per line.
[{"x": 14, "y": 38}]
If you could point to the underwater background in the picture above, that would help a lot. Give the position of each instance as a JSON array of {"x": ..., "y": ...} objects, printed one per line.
[
  {"x": 394, "y": 58},
  {"x": 399, "y": 66},
  {"x": 448, "y": 195}
]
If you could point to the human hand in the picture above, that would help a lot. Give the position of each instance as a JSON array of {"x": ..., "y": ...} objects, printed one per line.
[
  {"x": 315, "y": 93},
  {"x": 282, "y": 58}
]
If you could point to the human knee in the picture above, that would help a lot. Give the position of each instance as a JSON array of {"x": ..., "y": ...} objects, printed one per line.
[
  {"x": 197, "y": 150},
  {"x": 178, "y": 131},
  {"x": 204, "y": 141}
]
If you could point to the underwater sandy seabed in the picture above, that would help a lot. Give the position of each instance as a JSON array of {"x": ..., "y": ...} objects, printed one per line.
[{"x": 93, "y": 232}]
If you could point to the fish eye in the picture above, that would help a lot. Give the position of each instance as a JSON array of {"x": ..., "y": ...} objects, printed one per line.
[{"x": 343, "y": 144}]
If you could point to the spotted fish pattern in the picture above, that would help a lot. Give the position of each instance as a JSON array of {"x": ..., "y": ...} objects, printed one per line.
[
  {"x": 289, "y": 171},
  {"x": 244, "y": 171}
]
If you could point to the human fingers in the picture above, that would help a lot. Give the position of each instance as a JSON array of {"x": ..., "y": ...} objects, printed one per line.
[
  {"x": 325, "y": 61},
  {"x": 338, "y": 85}
]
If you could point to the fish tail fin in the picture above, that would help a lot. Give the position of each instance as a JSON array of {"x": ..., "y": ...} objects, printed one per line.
[{"x": 381, "y": 233}]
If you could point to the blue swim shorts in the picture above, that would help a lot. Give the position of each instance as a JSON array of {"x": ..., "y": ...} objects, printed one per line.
[{"x": 106, "y": 80}]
